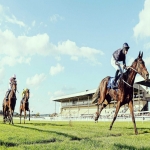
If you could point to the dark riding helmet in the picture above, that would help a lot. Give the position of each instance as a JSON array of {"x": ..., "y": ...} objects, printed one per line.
[{"x": 126, "y": 45}]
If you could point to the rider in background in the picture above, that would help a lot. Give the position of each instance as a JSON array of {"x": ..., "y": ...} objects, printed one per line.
[
  {"x": 11, "y": 80},
  {"x": 23, "y": 93},
  {"x": 23, "y": 96},
  {"x": 118, "y": 56}
]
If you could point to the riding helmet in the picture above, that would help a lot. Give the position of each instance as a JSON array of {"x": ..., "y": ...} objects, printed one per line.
[{"x": 126, "y": 45}]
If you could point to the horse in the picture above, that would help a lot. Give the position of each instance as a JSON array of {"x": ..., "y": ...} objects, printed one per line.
[
  {"x": 9, "y": 106},
  {"x": 124, "y": 93},
  {"x": 24, "y": 105}
]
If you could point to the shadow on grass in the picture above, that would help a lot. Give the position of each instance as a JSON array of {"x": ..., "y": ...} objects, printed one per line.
[
  {"x": 121, "y": 146},
  {"x": 44, "y": 124},
  {"x": 47, "y": 131},
  {"x": 8, "y": 144}
]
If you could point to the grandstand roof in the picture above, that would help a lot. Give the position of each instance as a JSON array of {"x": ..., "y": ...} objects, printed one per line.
[
  {"x": 86, "y": 93},
  {"x": 145, "y": 83},
  {"x": 75, "y": 95}
]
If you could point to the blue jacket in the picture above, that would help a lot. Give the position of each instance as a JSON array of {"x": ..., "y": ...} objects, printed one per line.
[{"x": 119, "y": 56}]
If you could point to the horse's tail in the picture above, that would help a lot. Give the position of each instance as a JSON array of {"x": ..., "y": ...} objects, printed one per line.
[{"x": 96, "y": 95}]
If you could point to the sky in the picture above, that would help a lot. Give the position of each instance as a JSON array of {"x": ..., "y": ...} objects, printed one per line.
[{"x": 57, "y": 48}]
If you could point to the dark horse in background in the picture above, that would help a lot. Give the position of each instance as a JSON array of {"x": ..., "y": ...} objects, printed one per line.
[
  {"x": 124, "y": 93},
  {"x": 24, "y": 105},
  {"x": 9, "y": 105}
]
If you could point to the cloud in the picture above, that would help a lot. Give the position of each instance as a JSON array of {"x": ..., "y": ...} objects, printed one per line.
[
  {"x": 55, "y": 18},
  {"x": 56, "y": 94},
  {"x": 56, "y": 69},
  {"x": 40, "y": 44},
  {"x": 5, "y": 16},
  {"x": 142, "y": 28},
  {"x": 14, "y": 20},
  {"x": 11, "y": 61},
  {"x": 75, "y": 58},
  {"x": 36, "y": 80},
  {"x": 70, "y": 48}
]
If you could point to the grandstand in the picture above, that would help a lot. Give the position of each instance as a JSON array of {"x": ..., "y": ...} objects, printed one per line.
[{"x": 79, "y": 105}]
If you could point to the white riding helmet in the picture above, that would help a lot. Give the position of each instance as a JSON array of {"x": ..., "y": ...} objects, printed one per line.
[{"x": 14, "y": 76}]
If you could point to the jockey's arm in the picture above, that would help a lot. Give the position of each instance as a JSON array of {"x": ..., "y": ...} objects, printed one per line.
[{"x": 23, "y": 93}]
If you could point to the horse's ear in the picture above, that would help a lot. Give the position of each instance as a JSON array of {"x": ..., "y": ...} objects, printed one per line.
[
  {"x": 139, "y": 54},
  {"x": 142, "y": 55}
]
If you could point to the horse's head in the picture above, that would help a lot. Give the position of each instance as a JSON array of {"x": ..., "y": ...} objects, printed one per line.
[
  {"x": 27, "y": 93},
  {"x": 140, "y": 67},
  {"x": 14, "y": 86}
]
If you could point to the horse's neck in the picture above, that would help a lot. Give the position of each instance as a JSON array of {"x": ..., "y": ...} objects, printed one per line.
[
  {"x": 131, "y": 76},
  {"x": 12, "y": 92},
  {"x": 26, "y": 98}
]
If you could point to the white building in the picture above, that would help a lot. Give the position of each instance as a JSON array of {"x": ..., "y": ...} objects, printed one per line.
[{"x": 79, "y": 104}]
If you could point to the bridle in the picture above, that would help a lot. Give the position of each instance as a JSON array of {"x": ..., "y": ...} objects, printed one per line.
[{"x": 133, "y": 70}]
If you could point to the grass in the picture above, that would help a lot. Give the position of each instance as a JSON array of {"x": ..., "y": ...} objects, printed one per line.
[{"x": 47, "y": 135}]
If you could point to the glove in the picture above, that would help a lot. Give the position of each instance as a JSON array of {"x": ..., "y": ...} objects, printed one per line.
[
  {"x": 117, "y": 63},
  {"x": 124, "y": 67}
]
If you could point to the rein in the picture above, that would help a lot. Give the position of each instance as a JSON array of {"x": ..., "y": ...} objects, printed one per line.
[{"x": 133, "y": 70}]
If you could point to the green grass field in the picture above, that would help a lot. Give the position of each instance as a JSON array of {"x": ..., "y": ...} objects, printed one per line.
[{"x": 49, "y": 135}]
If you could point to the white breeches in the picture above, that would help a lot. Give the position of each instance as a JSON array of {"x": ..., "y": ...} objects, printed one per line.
[{"x": 117, "y": 67}]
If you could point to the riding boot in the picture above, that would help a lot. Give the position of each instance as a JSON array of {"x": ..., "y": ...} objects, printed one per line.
[
  {"x": 116, "y": 77},
  {"x": 115, "y": 80},
  {"x": 7, "y": 93}
]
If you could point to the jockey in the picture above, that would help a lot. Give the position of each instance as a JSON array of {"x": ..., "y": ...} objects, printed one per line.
[
  {"x": 11, "y": 80},
  {"x": 118, "y": 56},
  {"x": 23, "y": 93}
]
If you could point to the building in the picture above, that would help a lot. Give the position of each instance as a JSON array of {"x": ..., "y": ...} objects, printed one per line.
[{"x": 79, "y": 105}]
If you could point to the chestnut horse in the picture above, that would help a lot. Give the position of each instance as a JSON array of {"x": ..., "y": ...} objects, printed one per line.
[
  {"x": 24, "y": 105},
  {"x": 9, "y": 106},
  {"x": 124, "y": 93}
]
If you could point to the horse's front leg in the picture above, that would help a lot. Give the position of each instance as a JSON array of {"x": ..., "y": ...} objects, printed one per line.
[
  {"x": 29, "y": 114},
  {"x": 24, "y": 115},
  {"x": 4, "y": 115},
  {"x": 132, "y": 114},
  {"x": 20, "y": 114},
  {"x": 12, "y": 113},
  {"x": 116, "y": 113},
  {"x": 97, "y": 114}
]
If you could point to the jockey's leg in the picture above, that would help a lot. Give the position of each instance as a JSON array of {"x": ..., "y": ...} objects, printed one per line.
[{"x": 116, "y": 77}]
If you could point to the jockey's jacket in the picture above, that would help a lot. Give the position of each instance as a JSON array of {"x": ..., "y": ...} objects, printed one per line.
[
  {"x": 119, "y": 56},
  {"x": 12, "y": 80},
  {"x": 23, "y": 92}
]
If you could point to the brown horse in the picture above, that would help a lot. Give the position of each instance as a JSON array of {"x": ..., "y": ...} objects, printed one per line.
[
  {"x": 24, "y": 105},
  {"x": 9, "y": 106},
  {"x": 124, "y": 93}
]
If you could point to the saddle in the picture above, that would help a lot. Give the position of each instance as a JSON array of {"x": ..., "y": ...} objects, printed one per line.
[{"x": 111, "y": 85}]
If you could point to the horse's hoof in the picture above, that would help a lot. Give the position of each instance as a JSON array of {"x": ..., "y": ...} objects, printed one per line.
[{"x": 136, "y": 133}]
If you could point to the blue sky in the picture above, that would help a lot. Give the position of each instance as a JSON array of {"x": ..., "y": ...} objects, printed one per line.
[{"x": 59, "y": 47}]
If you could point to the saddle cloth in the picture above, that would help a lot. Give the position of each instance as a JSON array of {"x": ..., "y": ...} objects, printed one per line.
[{"x": 110, "y": 84}]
